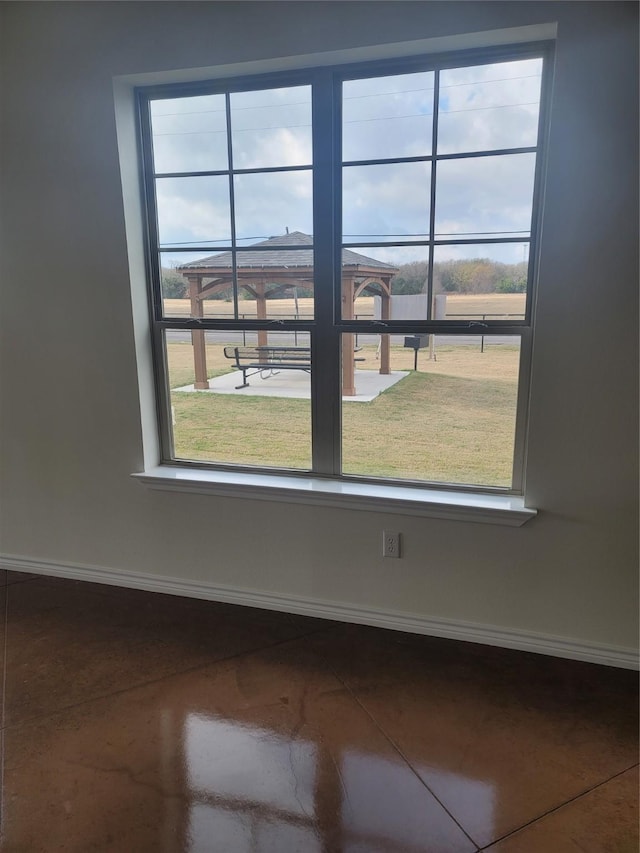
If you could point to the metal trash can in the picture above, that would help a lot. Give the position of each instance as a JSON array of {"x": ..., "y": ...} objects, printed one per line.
[{"x": 416, "y": 342}]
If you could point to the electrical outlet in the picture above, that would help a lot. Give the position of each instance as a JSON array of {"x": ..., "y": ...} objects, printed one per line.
[{"x": 390, "y": 544}]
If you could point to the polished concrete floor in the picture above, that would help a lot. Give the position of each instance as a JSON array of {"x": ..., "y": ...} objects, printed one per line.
[{"x": 138, "y": 722}]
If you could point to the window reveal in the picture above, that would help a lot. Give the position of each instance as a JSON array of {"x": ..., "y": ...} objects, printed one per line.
[{"x": 306, "y": 224}]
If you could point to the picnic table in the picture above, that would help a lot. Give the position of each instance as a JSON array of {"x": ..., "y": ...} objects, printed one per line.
[{"x": 266, "y": 360}]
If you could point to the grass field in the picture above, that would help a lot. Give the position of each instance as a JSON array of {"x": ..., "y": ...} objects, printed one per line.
[
  {"x": 451, "y": 421},
  {"x": 489, "y": 304}
]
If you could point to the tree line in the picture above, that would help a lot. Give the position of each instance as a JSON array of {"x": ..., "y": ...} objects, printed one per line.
[{"x": 475, "y": 275}]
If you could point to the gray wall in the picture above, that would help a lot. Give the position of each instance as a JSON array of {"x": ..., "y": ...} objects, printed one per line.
[{"x": 70, "y": 413}]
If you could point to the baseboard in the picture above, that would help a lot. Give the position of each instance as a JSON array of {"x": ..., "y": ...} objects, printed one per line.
[{"x": 395, "y": 620}]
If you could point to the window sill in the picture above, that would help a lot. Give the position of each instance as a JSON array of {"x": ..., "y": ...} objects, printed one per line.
[{"x": 429, "y": 503}]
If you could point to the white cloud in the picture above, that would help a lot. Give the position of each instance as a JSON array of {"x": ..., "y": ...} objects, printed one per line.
[
  {"x": 388, "y": 117},
  {"x": 385, "y": 200},
  {"x": 487, "y": 194},
  {"x": 481, "y": 108},
  {"x": 268, "y": 203},
  {"x": 271, "y": 128},
  {"x": 488, "y": 107},
  {"x": 189, "y": 134},
  {"x": 193, "y": 209}
]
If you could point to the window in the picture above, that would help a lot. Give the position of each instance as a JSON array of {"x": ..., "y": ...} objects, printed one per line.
[{"x": 342, "y": 263}]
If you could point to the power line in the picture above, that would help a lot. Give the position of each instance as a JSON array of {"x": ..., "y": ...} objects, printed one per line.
[
  {"x": 237, "y": 109},
  {"x": 352, "y": 97},
  {"x": 350, "y": 121},
  {"x": 363, "y": 236},
  {"x": 444, "y": 233},
  {"x": 200, "y": 242},
  {"x": 242, "y": 130}
]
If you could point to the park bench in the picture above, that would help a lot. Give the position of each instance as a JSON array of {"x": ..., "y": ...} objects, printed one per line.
[{"x": 267, "y": 360}]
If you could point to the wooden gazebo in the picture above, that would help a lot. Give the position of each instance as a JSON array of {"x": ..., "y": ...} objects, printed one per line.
[{"x": 266, "y": 274}]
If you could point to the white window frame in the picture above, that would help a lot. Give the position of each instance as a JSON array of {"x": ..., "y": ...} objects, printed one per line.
[{"x": 325, "y": 481}]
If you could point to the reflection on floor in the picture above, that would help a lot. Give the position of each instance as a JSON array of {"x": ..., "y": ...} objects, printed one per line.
[
  {"x": 296, "y": 384},
  {"x": 140, "y": 722}
]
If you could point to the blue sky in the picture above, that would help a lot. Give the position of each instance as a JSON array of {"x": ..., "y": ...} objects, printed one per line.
[{"x": 485, "y": 107}]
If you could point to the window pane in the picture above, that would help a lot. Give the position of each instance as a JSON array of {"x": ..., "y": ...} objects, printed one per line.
[
  {"x": 480, "y": 282},
  {"x": 386, "y": 202},
  {"x": 386, "y": 117},
  {"x": 193, "y": 211},
  {"x": 276, "y": 284},
  {"x": 486, "y": 107},
  {"x": 414, "y": 407},
  {"x": 450, "y": 421},
  {"x": 189, "y": 134},
  {"x": 269, "y": 204},
  {"x": 265, "y": 423},
  {"x": 485, "y": 196},
  {"x": 385, "y": 282},
  {"x": 179, "y": 272},
  {"x": 271, "y": 127},
  {"x": 272, "y": 284}
]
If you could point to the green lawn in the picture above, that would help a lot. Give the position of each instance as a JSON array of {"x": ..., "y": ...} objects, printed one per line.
[{"x": 452, "y": 421}]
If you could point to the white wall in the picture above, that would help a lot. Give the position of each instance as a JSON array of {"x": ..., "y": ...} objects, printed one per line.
[{"x": 70, "y": 431}]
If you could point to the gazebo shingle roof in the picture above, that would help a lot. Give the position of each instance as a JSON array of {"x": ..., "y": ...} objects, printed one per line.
[{"x": 290, "y": 258}]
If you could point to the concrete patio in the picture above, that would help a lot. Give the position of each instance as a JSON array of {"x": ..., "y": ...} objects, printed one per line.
[{"x": 296, "y": 384}]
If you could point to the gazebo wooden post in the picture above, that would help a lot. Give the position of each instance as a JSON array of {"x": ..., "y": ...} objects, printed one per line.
[
  {"x": 385, "y": 314},
  {"x": 197, "y": 335},
  {"x": 348, "y": 350},
  {"x": 261, "y": 312}
]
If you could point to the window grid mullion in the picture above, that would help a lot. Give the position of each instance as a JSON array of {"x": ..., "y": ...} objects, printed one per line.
[
  {"x": 222, "y": 172},
  {"x": 328, "y": 326},
  {"x": 232, "y": 206},
  {"x": 150, "y": 206},
  {"x": 432, "y": 206},
  {"x": 152, "y": 259},
  {"x": 325, "y": 359}
]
